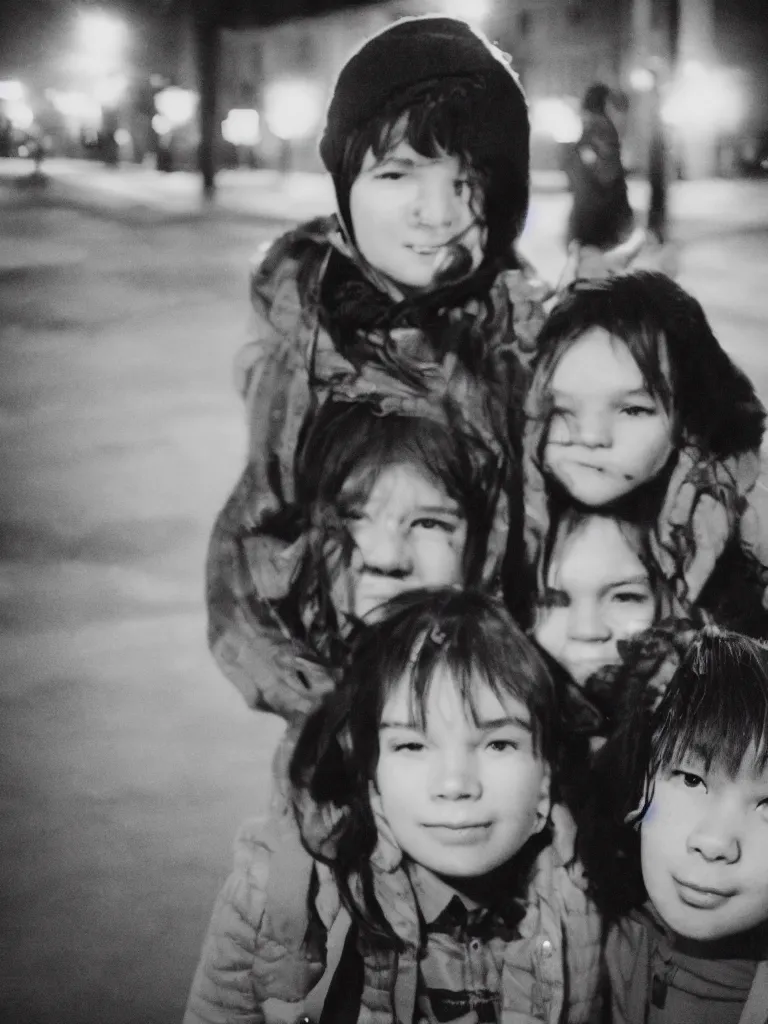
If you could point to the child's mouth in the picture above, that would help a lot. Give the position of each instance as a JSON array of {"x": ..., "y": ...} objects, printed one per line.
[
  {"x": 701, "y": 898},
  {"x": 460, "y": 835},
  {"x": 426, "y": 250}
]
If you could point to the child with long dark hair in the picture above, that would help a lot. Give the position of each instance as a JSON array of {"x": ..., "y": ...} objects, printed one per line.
[
  {"x": 386, "y": 502},
  {"x": 675, "y": 836},
  {"x": 412, "y": 295},
  {"x": 636, "y": 411},
  {"x": 430, "y": 872},
  {"x": 598, "y": 591}
]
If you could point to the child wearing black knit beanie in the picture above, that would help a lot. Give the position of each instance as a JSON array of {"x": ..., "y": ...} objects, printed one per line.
[{"x": 411, "y": 299}]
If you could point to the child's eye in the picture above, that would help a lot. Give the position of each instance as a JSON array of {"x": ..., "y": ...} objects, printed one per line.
[
  {"x": 461, "y": 186},
  {"x": 430, "y": 523},
  {"x": 390, "y": 175},
  {"x": 409, "y": 746},
  {"x": 632, "y": 596},
  {"x": 501, "y": 746},
  {"x": 689, "y": 779},
  {"x": 638, "y": 410},
  {"x": 552, "y": 598}
]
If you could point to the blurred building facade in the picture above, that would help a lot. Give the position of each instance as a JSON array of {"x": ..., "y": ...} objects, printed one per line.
[{"x": 559, "y": 47}]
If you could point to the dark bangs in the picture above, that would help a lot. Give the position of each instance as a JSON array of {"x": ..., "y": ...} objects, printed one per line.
[
  {"x": 335, "y": 760},
  {"x": 471, "y": 637},
  {"x": 351, "y": 443},
  {"x": 716, "y": 706},
  {"x": 439, "y": 117},
  {"x": 625, "y": 314},
  {"x": 713, "y": 401}
]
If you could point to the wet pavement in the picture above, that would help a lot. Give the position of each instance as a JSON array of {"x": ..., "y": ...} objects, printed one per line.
[{"x": 127, "y": 761}]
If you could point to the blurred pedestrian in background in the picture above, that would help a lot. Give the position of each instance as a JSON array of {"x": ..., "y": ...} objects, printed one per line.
[{"x": 602, "y": 236}]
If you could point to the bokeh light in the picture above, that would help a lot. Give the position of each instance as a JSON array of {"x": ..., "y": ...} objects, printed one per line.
[{"x": 293, "y": 108}]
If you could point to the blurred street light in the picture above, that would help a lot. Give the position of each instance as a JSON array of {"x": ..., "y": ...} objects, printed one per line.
[
  {"x": 102, "y": 39},
  {"x": 241, "y": 127},
  {"x": 176, "y": 106},
  {"x": 12, "y": 91},
  {"x": 642, "y": 79},
  {"x": 555, "y": 118},
  {"x": 78, "y": 108},
  {"x": 293, "y": 108},
  {"x": 13, "y": 102},
  {"x": 173, "y": 124},
  {"x": 705, "y": 98}
]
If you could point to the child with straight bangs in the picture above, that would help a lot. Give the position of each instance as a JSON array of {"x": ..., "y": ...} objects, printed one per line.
[
  {"x": 675, "y": 838},
  {"x": 430, "y": 873},
  {"x": 636, "y": 411},
  {"x": 412, "y": 295}
]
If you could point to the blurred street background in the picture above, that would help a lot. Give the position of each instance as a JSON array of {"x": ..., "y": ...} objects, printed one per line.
[{"x": 126, "y": 760}]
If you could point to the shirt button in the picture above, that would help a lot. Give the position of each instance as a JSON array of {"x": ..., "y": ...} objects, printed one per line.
[
  {"x": 546, "y": 947},
  {"x": 475, "y": 945}
]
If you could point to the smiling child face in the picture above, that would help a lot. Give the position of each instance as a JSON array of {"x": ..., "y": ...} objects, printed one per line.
[
  {"x": 461, "y": 797},
  {"x": 408, "y": 211},
  {"x": 704, "y": 848}
]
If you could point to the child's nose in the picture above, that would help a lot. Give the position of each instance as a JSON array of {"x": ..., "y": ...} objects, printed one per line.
[
  {"x": 456, "y": 776},
  {"x": 385, "y": 549},
  {"x": 594, "y": 430},
  {"x": 717, "y": 837},
  {"x": 586, "y": 622},
  {"x": 436, "y": 204}
]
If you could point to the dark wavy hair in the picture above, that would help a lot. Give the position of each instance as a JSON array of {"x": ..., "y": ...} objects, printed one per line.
[
  {"x": 571, "y": 519},
  {"x": 466, "y": 633},
  {"x": 715, "y": 705},
  {"x": 437, "y": 117},
  {"x": 712, "y": 402},
  {"x": 337, "y": 464}
]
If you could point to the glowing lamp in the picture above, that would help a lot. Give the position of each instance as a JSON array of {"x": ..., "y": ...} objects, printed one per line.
[
  {"x": 101, "y": 34},
  {"x": 12, "y": 91},
  {"x": 241, "y": 127},
  {"x": 20, "y": 115},
  {"x": 176, "y": 105},
  {"x": 555, "y": 117},
  {"x": 642, "y": 79},
  {"x": 293, "y": 108},
  {"x": 705, "y": 98}
]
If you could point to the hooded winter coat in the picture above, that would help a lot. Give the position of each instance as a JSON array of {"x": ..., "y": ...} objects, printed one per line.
[
  {"x": 321, "y": 329},
  {"x": 278, "y": 934}
]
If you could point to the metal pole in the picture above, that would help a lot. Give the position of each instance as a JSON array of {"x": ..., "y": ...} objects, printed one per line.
[{"x": 208, "y": 42}]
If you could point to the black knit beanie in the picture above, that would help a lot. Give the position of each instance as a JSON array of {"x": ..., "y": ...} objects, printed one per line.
[{"x": 419, "y": 50}]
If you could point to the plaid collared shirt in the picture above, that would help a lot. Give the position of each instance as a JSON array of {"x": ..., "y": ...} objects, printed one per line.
[{"x": 462, "y": 966}]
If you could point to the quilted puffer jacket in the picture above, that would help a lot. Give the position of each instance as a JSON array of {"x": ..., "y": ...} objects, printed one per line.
[{"x": 263, "y": 962}]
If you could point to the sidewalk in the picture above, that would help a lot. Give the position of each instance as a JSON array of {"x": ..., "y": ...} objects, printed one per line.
[
  {"x": 148, "y": 194},
  {"x": 143, "y": 195}
]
